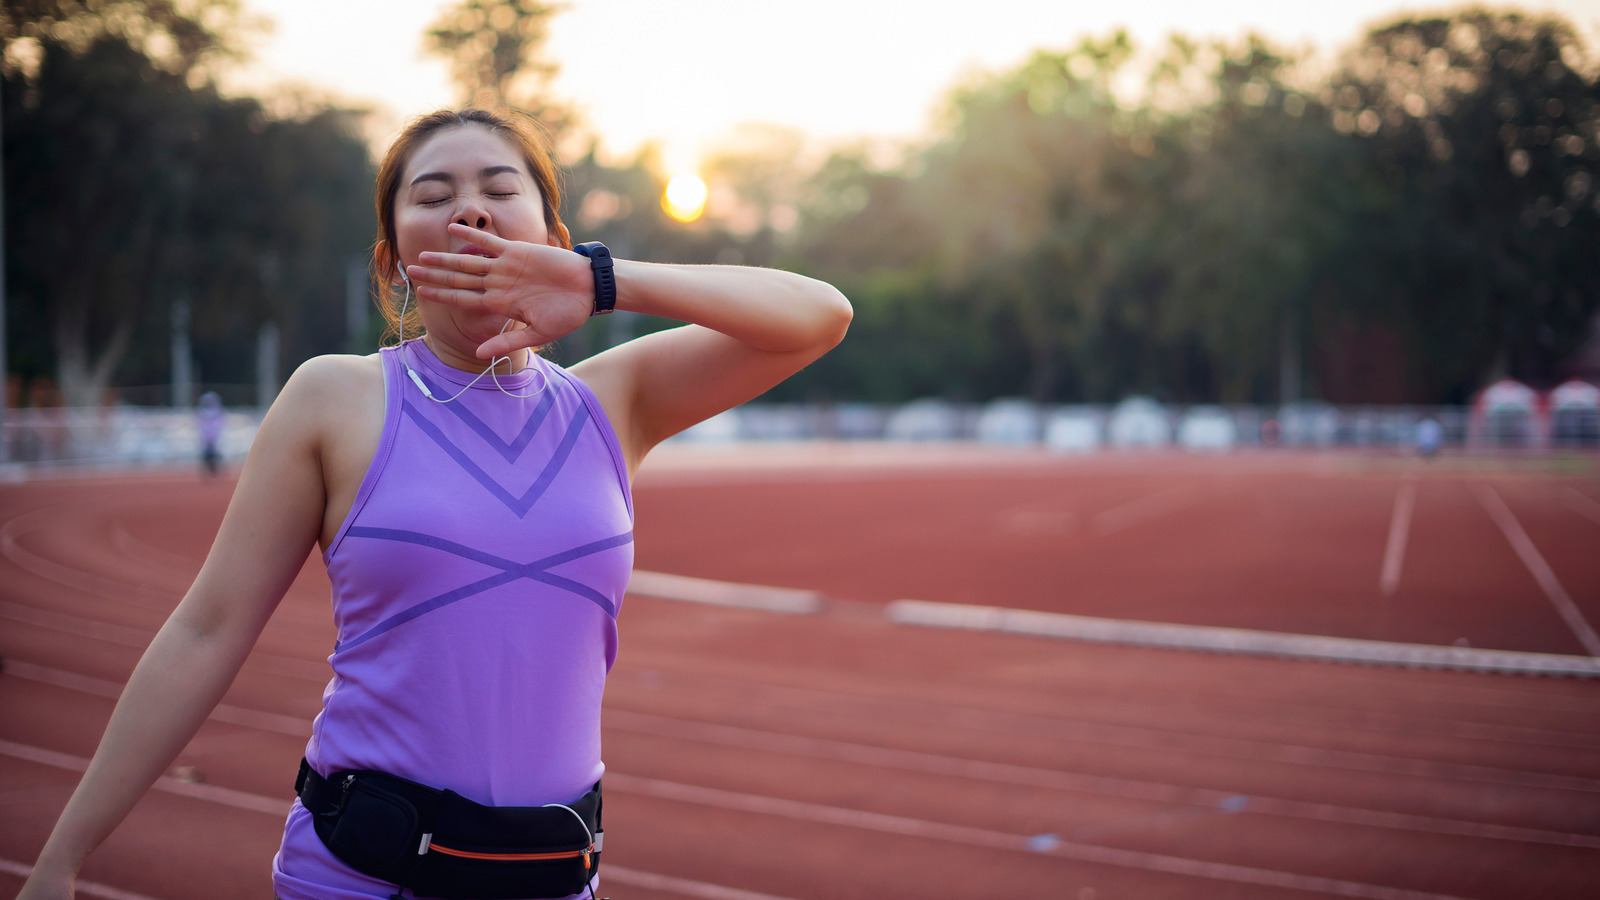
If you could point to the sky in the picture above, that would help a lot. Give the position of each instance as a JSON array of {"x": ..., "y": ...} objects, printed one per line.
[{"x": 685, "y": 73}]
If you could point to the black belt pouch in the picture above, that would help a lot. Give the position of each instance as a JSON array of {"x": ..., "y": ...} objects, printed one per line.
[{"x": 378, "y": 824}]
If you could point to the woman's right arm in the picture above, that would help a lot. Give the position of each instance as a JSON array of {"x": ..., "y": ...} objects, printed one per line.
[{"x": 270, "y": 527}]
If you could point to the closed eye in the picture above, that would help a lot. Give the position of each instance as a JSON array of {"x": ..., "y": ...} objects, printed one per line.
[{"x": 433, "y": 202}]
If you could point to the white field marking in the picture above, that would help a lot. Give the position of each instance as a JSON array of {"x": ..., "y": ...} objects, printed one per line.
[
  {"x": 1399, "y": 527},
  {"x": 916, "y": 761},
  {"x": 1540, "y": 569},
  {"x": 1234, "y": 640},
  {"x": 111, "y": 690},
  {"x": 1145, "y": 508},
  {"x": 69, "y": 576},
  {"x": 1580, "y": 503},
  {"x": 684, "y": 886},
  {"x": 999, "y": 840},
  {"x": 84, "y": 888},
  {"x": 280, "y": 808},
  {"x": 208, "y": 792},
  {"x": 163, "y": 561},
  {"x": 139, "y": 638},
  {"x": 725, "y": 593},
  {"x": 1029, "y": 776}
]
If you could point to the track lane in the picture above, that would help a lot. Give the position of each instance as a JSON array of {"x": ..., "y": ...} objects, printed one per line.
[{"x": 833, "y": 678}]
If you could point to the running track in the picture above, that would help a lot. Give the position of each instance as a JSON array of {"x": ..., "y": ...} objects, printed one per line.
[{"x": 754, "y": 755}]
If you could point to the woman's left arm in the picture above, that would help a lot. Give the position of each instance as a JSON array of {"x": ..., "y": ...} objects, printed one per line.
[{"x": 747, "y": 328}]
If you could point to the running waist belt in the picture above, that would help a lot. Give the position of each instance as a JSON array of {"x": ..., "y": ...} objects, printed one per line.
[{"x": 440, "y": 844}]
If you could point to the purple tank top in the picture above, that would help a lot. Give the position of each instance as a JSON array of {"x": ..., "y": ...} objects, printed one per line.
[{"x": 476, "y": 583}]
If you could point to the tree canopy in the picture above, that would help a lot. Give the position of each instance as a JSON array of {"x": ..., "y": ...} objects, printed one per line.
[
  {"x": 1215, "y": 221},
  {"x": 132, "y": 185}
]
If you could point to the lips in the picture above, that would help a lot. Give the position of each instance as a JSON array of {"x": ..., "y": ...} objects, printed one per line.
[{"x": 475, "y": 250}]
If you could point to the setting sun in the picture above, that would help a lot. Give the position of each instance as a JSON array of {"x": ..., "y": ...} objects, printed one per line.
[{"x": 685, "y": 198}]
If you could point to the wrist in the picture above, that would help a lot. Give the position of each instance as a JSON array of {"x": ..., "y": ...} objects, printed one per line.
[
  {"x": 605, "y": 279},
  {"x": 55, "y": 866}
]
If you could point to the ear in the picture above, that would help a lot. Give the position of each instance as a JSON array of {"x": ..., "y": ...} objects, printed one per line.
[{"x": 385, "y": 262}]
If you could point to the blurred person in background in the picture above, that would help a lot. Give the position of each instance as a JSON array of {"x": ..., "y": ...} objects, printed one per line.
[
  {"x": 210, "y": 417},
  {"x": 1429, "y": 434},
  {"x": 472, "y": 502}
]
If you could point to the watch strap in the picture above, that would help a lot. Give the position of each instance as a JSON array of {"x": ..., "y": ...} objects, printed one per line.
[{"x": 605, "y": 279}]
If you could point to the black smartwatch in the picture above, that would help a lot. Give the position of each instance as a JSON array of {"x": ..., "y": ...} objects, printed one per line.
[{"x": 605, "y": 281}]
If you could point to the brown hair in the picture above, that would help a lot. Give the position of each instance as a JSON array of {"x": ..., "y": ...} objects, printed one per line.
[{"x": 523, "y": 133}]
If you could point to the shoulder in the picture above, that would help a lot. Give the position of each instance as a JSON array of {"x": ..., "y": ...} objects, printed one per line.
[
  {"x": 333, "y": 381},
  {"x": 324, "y": 391}
]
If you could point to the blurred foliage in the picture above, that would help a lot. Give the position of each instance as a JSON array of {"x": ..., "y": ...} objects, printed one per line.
[
  {"x": 1420, "y": 221},
  {"x": 496, "y": 54},
  {"x": 1204, "y": 221},
  {"x": 129, "y": 189}
]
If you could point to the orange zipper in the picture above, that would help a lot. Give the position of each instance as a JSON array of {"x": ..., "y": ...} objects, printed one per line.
[{"x": 512, "y": 857}]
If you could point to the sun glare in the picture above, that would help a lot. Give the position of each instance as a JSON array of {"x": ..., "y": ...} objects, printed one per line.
[{"x": 685, "y": 198}]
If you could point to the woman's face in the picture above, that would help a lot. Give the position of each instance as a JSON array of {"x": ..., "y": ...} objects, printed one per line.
[
  {"x": 469, "y": 175},
  {"x": 474, "y": 176}
]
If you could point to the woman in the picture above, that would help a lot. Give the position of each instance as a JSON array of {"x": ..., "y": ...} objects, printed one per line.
[{"x": 471, "y": 502}]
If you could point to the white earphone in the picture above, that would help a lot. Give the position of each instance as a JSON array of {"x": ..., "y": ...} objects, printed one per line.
[{"x": 422, "y": 386}]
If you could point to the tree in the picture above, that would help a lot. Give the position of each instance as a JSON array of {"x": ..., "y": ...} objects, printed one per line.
[
  {"x": 495, "y": 49},
  {"x": 128, "y": 187},
  {"x": 1482, "y": 126}
]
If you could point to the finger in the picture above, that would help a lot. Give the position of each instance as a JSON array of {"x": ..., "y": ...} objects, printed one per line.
[
  {"x": 472, "y": 301},
  {"x": 446, "y": 278},
  {"x": 461, "y": 262},
  {"x": 510, "y": 342},
  {"x": 491, "y": 242}
]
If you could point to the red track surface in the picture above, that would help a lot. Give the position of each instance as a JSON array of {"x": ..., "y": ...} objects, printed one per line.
[{"x": 839, "y": 756}]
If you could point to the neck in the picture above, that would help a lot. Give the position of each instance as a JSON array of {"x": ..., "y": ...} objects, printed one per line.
[{"x": 455, "y": 359}]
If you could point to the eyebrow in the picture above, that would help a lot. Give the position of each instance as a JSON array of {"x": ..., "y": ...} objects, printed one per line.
[{"x": 446, "y": 176}]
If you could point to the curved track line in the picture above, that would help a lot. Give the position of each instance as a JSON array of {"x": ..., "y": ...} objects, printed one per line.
[
  {"x": 1090, "y": 732},
  {"x": 999, "y": 840},
  {"x": 86, "y": 888},
  {"x": 917, "y": 761},
  {"x": 687, "y": 887},
  {"x": 833, "y": 815},
  {"x": 139, "y": 638},
  {"x": 69, "y": 576}
]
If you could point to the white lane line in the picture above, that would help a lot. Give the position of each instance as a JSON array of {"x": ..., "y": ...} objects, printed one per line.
[
  {"x": 139, "y": 638},
  {"x": 833, "y": 815},
  {"x": 725, "y": 593},
  {"x": 917, "y": 761},
  {"x": 1029, "y": 776},
  {"x": 208, "y": 792},
  {"x": 280, "y": 808},
  {"x": 674, "y": 885},
  {"x": 1215, "y": 639},
  {"x": 1399, "y": 527},
  {"x": 70, "y": 576},
  {"x": 999, "y": 840},
  {"x": 613, "y": 873},
  {"x": 1145, "y": 508},
  {"x": 85, "y": 888},
  {"x": 111, "y": 690},
  {"x": 1580, "y": 503},
  {"x": 1540, "y": 569}
]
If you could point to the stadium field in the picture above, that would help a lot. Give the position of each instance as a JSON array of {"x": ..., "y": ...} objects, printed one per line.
[{"x": 829, "y": 751}]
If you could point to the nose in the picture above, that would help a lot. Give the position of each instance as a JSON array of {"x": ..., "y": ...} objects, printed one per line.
[{"x": 473, "y": 215}]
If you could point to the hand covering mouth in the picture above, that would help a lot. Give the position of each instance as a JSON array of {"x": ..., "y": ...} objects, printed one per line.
[{"x": 475, "y": 250}]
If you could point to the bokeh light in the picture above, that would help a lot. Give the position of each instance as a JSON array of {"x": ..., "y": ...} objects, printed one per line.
[{"x": 685, "y": 198}]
